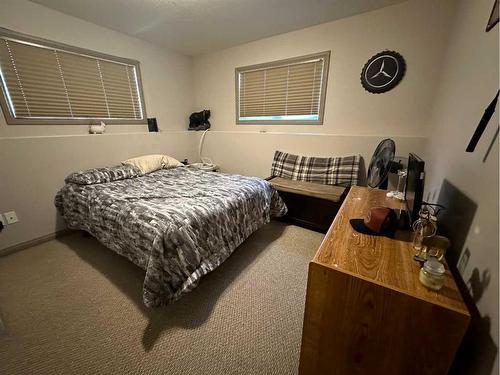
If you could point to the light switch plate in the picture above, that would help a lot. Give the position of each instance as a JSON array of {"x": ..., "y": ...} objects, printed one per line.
[{"x": 11, "y": 217}]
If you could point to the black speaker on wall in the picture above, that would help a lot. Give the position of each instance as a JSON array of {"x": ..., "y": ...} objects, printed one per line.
[{"x": 152, "y": 124}]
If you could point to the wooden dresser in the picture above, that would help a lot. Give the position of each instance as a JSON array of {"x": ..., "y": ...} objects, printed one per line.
[{"x": 366, "y": 311}]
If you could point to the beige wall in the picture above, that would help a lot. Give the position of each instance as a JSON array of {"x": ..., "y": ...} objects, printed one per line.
[
  {"x": 234, "y": 153},
  {"x": 355, "y": 120},
  {"x": 417, "y": 29},
  {"x": 468, "y": 81},
  {"x": 35, "y": 159},
  {"x": 33, "y": 170},
  {"x": 166, "y": 76}
]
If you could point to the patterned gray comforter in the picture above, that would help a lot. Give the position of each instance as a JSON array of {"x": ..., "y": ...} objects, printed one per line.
[{"x": 177, "y": 224}]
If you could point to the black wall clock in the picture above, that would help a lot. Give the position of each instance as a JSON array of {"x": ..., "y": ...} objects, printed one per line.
[{"x": 383, "y": 72}]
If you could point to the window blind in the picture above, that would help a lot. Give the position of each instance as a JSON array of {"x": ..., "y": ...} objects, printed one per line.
[
  {"x": 42, "y": 82},
  {"x": 292, "y": 89}
]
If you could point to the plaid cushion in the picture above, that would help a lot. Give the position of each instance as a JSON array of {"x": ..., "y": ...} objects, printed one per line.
[{"x": 341, "y": 171}]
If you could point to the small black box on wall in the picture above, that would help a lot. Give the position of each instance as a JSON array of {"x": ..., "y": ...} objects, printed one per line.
[{"x": 152, "y": 124}]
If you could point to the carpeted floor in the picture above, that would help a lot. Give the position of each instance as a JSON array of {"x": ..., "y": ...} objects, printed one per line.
[{"x": 71, "y": 306}]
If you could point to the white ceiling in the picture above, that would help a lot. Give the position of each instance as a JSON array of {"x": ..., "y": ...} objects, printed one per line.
[{"x": 194, "y": 27}]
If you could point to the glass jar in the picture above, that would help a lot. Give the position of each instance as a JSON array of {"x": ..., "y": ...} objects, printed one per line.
[
  {"x": 432, "y": 274},
  {"x": 437, "y": 246}
]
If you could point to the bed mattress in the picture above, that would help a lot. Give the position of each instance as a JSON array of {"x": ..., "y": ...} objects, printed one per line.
[{"x": 177, "y": 224}]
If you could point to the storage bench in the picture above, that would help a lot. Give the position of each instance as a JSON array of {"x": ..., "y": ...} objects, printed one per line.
[
  {"x": 313, "y": 188},
  {"x": 310, "y": 204}
]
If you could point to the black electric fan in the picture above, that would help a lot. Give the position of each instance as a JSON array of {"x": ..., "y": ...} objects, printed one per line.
[{"x": 381, "y": 164}]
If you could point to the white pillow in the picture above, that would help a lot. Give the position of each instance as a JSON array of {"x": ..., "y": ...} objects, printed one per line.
[
  {"x": 151, "y": 163},
  {"x": 170, "y": 162}
]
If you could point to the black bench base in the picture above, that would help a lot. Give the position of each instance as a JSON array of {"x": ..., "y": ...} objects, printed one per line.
[{"x": 310, "y": 212}]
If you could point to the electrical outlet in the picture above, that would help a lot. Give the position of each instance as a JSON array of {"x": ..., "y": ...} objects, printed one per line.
[
  {"x": 463, "y": 261},
  {"x": 11, "y": 217}
]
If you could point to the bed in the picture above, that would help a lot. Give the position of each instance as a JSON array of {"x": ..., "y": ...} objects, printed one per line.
[{"x": 177, "y": 224}]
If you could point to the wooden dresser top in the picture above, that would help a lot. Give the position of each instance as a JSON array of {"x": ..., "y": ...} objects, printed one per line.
[{"x": 384, "y": 261}]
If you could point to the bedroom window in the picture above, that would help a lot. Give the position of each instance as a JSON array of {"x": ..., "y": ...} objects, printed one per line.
[
  {"x": 45, "y": 82},
  {"x": 288, "y": 91}
]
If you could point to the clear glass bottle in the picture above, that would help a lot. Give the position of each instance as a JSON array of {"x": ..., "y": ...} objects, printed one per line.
[
  {"x": 424, "y": 227},
  {"x": 432, "y": 274},
  {"x": 400, "y": 194}
]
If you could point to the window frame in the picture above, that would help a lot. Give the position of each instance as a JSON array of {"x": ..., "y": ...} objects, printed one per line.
[
  {"x": 51, "y": 45},
  {"x": 277, "y": 63}
]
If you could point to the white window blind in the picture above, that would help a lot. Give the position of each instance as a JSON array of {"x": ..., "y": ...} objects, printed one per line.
[
  {"x": 42, "y": 82},
  {"x": 284, "y": 91}
]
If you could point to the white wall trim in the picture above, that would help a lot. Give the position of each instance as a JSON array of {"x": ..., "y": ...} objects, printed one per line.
[
  {"x": 35, "y": 241},
  {"x": 98, "y": 135},
  {"x": 316, "y": 134}
]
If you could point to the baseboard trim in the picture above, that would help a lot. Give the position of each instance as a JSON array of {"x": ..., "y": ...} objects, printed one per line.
[{"x": 35, "y": 241}]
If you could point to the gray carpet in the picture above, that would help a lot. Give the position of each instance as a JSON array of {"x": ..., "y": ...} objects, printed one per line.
[{"x": 71, "y": 306}]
